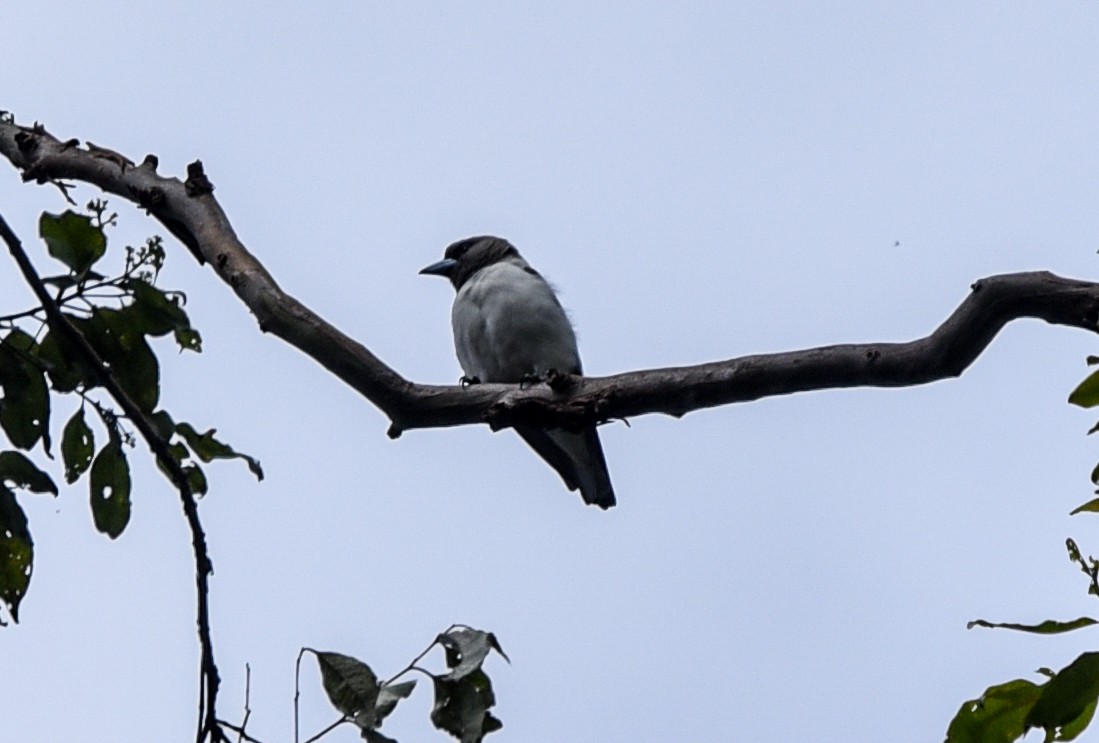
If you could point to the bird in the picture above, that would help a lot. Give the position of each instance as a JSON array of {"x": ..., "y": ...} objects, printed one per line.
[{"x": 509, "y": 327}]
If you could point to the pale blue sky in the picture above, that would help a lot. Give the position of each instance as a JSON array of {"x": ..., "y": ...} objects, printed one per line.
[{"x": 700, "y": 182}]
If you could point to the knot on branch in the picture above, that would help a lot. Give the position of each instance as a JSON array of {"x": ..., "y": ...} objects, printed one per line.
[
  {"x": 197, "y": 183},
  {"x": 26, "y": 142}
]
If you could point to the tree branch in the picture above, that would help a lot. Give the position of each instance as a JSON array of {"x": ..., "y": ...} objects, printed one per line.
[{"x": 189, "y": 211}]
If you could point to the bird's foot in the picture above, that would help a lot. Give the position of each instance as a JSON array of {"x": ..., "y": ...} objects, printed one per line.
[
  {"x": 467, "y": 381},
  {"x": 559, "y": 381},
  {"x": 529, "y": 380}
]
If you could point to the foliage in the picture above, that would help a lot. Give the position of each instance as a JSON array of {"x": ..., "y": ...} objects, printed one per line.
[
  {"x": 1063, "y": 706},
  {"x": 463, "y": 695},
  {"x": 42, "y": 369}
]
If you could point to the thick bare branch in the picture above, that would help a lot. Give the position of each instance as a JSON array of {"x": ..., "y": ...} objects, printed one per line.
[{"x": 190, "y": 212}]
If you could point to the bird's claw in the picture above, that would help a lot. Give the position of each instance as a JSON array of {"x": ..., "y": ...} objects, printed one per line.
[
  {"x": 467, "y": 381},
  {"x": 529, "y": 380}
]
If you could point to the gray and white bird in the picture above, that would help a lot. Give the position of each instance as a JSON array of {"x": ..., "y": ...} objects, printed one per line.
[{"x": 509, "y": 327}]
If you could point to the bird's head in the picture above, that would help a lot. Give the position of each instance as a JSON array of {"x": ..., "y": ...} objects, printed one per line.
[{"x": 466, "y": 257}]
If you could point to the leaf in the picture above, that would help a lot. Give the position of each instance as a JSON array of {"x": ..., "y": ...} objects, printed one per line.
[
  {"x": 369, "y": 720},
  {"x": 16, "y": 553},
  {"x": 25, "y": 406},
  {"x": 77, "y": 447},
  {"x": 188, "y": 339},
  {"x": 388, "y": 696},
  {"x": 20, "y": 472},
  {"x": 466, "y": 649},
  {"x": 207, "y": 448},
  {"x": 349, "y": 683},
  {"x": 1086, "y": 394},
  {"x": 1071, "y": 730},
  {"x": 72, "y": 239},
  {"x": 1092, "y": 506},
  {"x": 1048, "y": 627},
  {"x": 999, "y": 716},
  {"x": 163, "y": 424},
  {"x": 461, "y": 706},
  {"x": 156, "y": 312},
  {"x": 196, "y": 480},
  {"x": 117, "y": 338},
  {"x": 65, "y": 364},
  {"x": 110, "y": 490},
  {"x": 1068, "y": 697}
]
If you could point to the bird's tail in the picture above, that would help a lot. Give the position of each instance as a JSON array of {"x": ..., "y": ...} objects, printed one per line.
[{"x": 577, "y": 458}]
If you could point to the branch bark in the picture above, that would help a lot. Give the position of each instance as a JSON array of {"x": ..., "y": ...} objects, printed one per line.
[{"x": 189, "y": 211}]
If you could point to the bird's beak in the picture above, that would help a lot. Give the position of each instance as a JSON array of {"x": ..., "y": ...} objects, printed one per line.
[{"x": 441, "y": 268}]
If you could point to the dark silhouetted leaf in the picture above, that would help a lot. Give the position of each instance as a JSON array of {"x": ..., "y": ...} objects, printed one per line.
[
  {"x": 1092, "y": 506},
  {"x": 466, "y": 649},
  {"x": 999, "y": 716},
  {"x": 65, "y": 364},
  {"x": 1048, "y": 627},
  {"x": 25, "y": 407},
  {"x": 373, "y": 736},
  {"x": 20, "y": 472},
  {"x": 461, "y": 706},
  {"x": 207, "y": 448},
  {"x": 369, "y": 720},
  {"x": 1086, "y": 394},
  {"x": 196, "y": 479},
  {"x": 16, "y": 553},
  {"x": 117, "y": 338},
  {"x": 110, "y": 490},
  {"x": 72, "y": 239},
  {"x": 1068, "y": 697},
  {"x": 388, "y": 697},
  {"x": 77, "y": 446},
  {"x": 188, "y": 339},
  {"x": 157, "y": 313},
  {"x": 1072, "y": 730},
  {"x": 350, "y": 684},
  {"x": 163, "y": 424}
]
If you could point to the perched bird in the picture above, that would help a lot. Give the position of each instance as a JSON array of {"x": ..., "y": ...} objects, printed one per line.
[{"x": 509, "y": 327}]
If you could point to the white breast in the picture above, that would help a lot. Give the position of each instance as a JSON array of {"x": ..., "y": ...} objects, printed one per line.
[{"x": 508, "y": 323}]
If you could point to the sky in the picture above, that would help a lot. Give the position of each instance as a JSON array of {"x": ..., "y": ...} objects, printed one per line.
[{"x": 700, "y": 181}]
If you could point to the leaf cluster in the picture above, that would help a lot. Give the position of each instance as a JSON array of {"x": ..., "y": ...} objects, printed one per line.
[
  {"x": 463, "y": 694},
  {"x": 120, "y": 317}
]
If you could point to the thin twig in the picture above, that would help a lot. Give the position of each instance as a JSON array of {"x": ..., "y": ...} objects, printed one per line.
[
  {"x": 239, "y": 731},
  {"x": 329, "y": 729},
  {"x": 412, "y": 666}
]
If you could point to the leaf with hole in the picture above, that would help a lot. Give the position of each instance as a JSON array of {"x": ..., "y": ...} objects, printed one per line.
[
  {"x": 999, "y": 716},
  {"x": 16, "y": 553},
  {"x": 20, "y": 472},
  {"x": 77, "y": 446},
  {"x": 110, "y": 490},
  {"x": 461, "y": 706}
]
